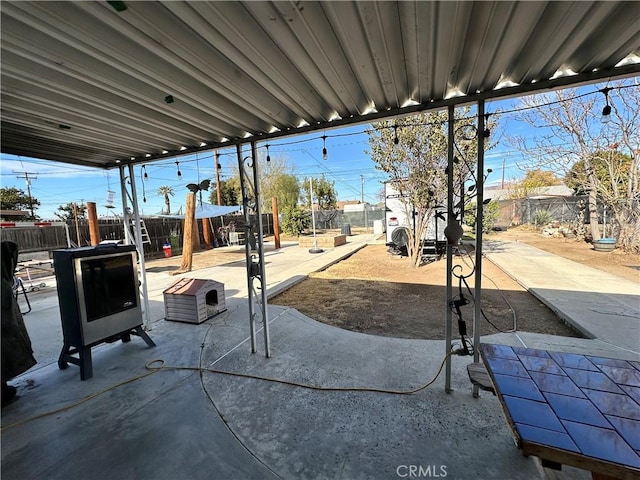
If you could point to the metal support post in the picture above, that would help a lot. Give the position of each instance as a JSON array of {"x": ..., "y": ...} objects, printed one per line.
[
  {"x": 260, "y": 245},
  {"x": 126, "y": 217},
  {"x": 247, "y": 246},
  {"x": 68, "y": 235},
  {"x": 140, "y": 248},
  {"x": 477, "y": 311},
  {"x": 450, "y": 219}
]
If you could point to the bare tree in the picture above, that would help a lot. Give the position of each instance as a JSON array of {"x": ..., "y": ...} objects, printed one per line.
[
  {"x": 569, "y": 130},
  {"x": 277, "y": 179}
]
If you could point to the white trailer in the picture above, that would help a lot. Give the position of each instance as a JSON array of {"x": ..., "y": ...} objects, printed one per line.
[{"x": 399, "y": 213}]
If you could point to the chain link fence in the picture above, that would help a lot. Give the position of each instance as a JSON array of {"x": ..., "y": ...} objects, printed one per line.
[
  {"x": 540, "y": 211},
  {"x": 335, "y": 219}
]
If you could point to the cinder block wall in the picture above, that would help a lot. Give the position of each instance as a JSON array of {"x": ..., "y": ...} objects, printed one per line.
[{"x": 323, "y": 241}]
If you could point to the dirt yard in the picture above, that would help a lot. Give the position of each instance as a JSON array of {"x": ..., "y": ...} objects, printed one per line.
[
  {"x": 381, "y": 294},
  {"x": 377, "y": 293},
  {"x": 201, "y": 259}
]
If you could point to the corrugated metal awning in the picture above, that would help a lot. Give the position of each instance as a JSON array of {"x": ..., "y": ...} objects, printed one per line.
[{"x": 86, "y": 84}]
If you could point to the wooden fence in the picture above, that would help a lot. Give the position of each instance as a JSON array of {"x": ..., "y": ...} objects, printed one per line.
[{"x": 160, "y": 231}]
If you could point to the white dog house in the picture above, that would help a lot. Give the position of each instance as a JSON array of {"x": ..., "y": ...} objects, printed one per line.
[{"x": 192, "y": 300}]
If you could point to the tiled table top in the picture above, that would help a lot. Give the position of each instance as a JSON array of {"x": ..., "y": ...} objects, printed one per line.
[{"x": 570, "y": 409}]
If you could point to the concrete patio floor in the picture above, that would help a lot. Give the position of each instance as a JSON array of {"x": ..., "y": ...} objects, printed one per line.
[{"x": 196, "y": 424}]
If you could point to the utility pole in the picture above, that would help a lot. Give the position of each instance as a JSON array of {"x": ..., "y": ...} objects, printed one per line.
[
  {"x": 75, "y": 216},
  {"x": 502, "y": 187},
  {"x": 364, "y": 209},
  {"x": 219, "y": 195},
  {"x": 28, "y": 179}
]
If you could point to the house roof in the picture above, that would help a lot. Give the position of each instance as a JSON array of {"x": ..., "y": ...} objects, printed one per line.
[
  {"x": 91, "y": 84},
  {"x": 554, "y": 191},
  {"x": 190, "y": 286},
  {"x": 341, "y": 204},
  {"x": 13, "y": 213},
  {"x": 497, "y": 193}
]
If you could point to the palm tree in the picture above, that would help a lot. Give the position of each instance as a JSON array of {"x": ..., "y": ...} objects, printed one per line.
[{"x": 167, "y": 192}]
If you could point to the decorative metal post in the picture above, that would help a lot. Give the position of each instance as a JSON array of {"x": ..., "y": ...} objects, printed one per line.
[
  {"x": 254, "y": 240},
  {"x": 477, "y": 311},
  {"x": 450, "y": 220},
  {"x": 247, "y": 247},
  {"x": 260, "y": 247}
]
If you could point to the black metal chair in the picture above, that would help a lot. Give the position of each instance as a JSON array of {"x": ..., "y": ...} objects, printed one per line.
[{"x": 18, "y": 288}]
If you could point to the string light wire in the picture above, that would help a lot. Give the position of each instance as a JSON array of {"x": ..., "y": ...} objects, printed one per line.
[{"x": 368, "y": 130}]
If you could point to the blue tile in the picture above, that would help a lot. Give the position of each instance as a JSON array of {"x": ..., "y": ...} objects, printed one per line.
[
  {"x": 498, "y": 351},
  {"x": 622, "y": 376},
  {"x": 546, "y": 437},
  {"x": 529, "y": 412},
  {"x": 612, "y": 362},
  {"x": 518, "y": 387},
  {"x": 633, "y": 392},
  {"x": 601, "y": 443},
  {"x": 532, "y": 352},
  {"x": 576, "y": 409},
  {"x": 629, "y": 429},
  {"x": 614, "y": 404},
  {"x": 556, "y": 384},
  {"x": 538, "y": 364},
  {"x": 507, "y": 367},
  {"x": 572, "y": 360},
  {"x": 592, "y": 380}
]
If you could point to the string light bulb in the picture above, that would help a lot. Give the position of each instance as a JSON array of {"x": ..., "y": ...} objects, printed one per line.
[
  {"x": 143, "y": 174},
  {"x": 268, "y": 156},
  {"x": 396, "y": 140},
  {"x": 606, "y": 111},
  {"x": 325, "y": 155},
  {"x": 179, "y": 172},
  {"x": 487, "y": 132}
]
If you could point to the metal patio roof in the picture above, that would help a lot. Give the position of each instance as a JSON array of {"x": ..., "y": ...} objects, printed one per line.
[{"x": 87, "y": 84}]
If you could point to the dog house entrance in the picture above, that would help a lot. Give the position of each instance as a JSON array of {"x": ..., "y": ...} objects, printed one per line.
[{"x": 211, "y": 302}]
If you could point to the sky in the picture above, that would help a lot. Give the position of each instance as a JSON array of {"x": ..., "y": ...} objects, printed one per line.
[{"x": 348, "y": 165}]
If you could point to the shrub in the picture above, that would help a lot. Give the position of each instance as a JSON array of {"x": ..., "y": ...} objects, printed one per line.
[
  {"x": 542, "y": 217},
  {"x": 295, "y": 220},
  {"x": 490, "y": 213}
]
